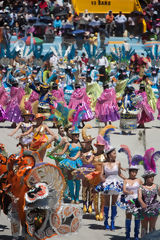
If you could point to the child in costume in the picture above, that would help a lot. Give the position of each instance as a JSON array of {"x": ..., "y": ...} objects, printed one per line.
[
  {"x": 25, "y": 126},
  {"x": 129, "y": 199},
  {"x": 148, "y": 192},
  {"x": 111, "y": 185},
  {"x": 146, "y": 112},
  {"x": 72, "y": 162},
  {"x": 39, "y": 135},
  {"x": 106, "y": 106}
]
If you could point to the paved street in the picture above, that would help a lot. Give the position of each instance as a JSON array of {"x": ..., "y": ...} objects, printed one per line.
[{"x": 92, "y": 229}]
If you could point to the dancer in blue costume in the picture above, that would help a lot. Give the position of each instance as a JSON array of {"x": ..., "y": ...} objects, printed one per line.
[
  {"x": 72, "y": 162},
  {"x": 44, "y": 98}
]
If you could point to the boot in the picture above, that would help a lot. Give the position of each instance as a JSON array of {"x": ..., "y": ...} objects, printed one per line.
[
  {"x": 84, "y": 207},
  {"x": 71, "y": 189},
  {"x": 95, "y": 202},
  {"x": 101, "y": 215},
  {"x": 136, "y": 229},
  {"x": 77, "y": 190},
  {"x": 113, "y": 215},
  {"x": 128, "y": 228},
  {"x": 106, "y": 211},
  {"x": 90, "y": 208}
]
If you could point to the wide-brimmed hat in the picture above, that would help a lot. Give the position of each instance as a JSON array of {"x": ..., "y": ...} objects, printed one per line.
[
  {"x": 26, "y": 113},
  {"x": 39, "y": 115},
  {"x": 148, "y": 173},
  {"x": 107, "y": 151},
  {"x": 133, "y": 167},
  {"x": 99, "y": 144}
]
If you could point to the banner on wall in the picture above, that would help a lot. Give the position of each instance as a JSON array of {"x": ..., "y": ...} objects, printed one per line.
[{"x": 103, "y": 6}]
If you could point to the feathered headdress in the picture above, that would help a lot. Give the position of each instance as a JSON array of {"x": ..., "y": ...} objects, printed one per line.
[
  {"x": 60, "y": 113},
  {"x": 132, "y": 161},
  {"x": 103, "y": 137},
  {"x": 86, "y": 138},
  {"x": 148, "y": 160}
]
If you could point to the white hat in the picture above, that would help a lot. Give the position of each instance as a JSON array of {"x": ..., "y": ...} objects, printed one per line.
[
  {"x": 109, "y": 150},
  {"x": 134, "y": 167}
]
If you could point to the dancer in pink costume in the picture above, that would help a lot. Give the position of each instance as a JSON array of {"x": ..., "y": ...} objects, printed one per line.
[
  {"x": 3, "y": 102},
  {"x": 80, "y": 101},
  {"x": 32, "y": 99},
  {"x": 58, "y": 94},
  {"x": 106, "y": 107},
  {"x": 146, "y": 112},
  {"x": 13, "y": 112}
]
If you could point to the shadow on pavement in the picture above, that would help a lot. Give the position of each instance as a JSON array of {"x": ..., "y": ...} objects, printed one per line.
[
  {"x": 6, "y": 237},
  {"x": 116, "y": 237},
  {"x": 96, "y": 227},
  {"x": 89, "y": 216}
]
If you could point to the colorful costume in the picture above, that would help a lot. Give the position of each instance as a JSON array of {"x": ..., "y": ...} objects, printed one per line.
[
  {"x": 59, "y": 96},
  {"x": 94, "y": 91},
  {"x": 112, "y": 185},
  {"x": 13, "y": 112},
  {"x": 150, "y": 199},
  {"x": 106, "y": 107},
  {"x": 37, "y": 204},
  {"x": 26, "y": 140},
  {"x": 39, "y": 138},
  {"x": 3, "y": 102},
  {"x": 79, "y": 99},
  {"x": 32, "y": 103},
  {"x": 94, "y": 179},
  {"x": 70, "y": 164},
  {"x": 146, "y": 112}
]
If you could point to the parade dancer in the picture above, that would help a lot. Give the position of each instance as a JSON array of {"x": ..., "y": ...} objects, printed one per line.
[
  {"x": 148, "y": 192},
  {"x": 25, "y": 126},
  {"x": 129, "y": 198},
  {"x": 146, "y": 112},
  {"x": 39, "y": 135},
  {"x": 13, "y": 112},
  {"x": 87, "y": 157},
  {"x": 72, "y": 162},
  {"x": 106, "y": 107},
  {"x": 80, "y": 101},
  {"x": 111, "y": 185}
]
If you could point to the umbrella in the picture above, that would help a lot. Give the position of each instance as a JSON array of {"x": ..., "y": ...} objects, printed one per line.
[
  {"x": 61, "y": 14},
  {"x": 33, "y": 19},
  {"x": 76, "y": 32},
  {"x": 67, "y": 26},
  {"x": 36, "y": 40},
  {"x": 46, "y": 19},
  {"x": 40, "y": 24}
]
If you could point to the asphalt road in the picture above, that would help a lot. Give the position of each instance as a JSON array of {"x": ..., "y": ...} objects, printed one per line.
[{"x": 92, "y": 229}]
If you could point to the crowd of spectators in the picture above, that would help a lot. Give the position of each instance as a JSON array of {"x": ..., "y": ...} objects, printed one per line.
[{"x": 48, "y": 18}]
